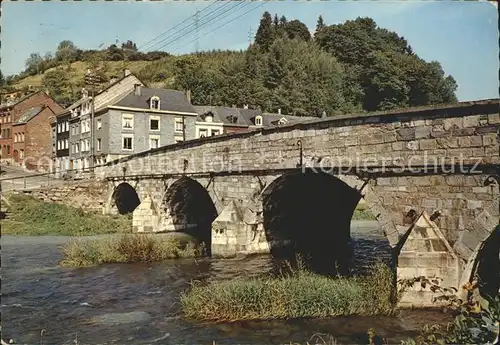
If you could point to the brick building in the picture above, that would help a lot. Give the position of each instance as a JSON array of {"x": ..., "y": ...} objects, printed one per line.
[{"x": 25, "y": 132}]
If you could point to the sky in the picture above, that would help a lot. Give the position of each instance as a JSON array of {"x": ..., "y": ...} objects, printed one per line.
[{"x": 462, "y": 36}]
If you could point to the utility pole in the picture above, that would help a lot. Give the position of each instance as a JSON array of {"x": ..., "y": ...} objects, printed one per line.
[
  {"x": 250, "y": 36},
  {"x": 196, "y": 24},
  {"x": 91, "y": 79}
]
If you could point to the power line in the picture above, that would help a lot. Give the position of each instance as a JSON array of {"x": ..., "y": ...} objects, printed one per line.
[
  {"x": 169, "y": 42},
  {"x": 168, "y": 38},
  {"x": 177, "y": 25},
  {"x": 220, "y": 26}
]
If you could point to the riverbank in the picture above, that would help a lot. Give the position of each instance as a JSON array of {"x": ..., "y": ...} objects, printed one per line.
[
  {"x": 127, "y": 248},
  {"x": 300, "y": 295},
  {"x": 31, "y": 217}
]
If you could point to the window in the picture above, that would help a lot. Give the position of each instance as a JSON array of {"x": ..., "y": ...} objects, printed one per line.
[
  {"x": 77, "y": 147},
  {"x": 215, "y": 132},
  {"x": 58, "y": 128},
  {"x": 203, "y": 133},
  {"x": 127, "y": 142},
  {"x": 155, "y": 103},
  {"x": 66, "y": 143},
  {"x": 282, "y": 121},
  {"x": 8, "y": 149},
  {"x": 154, "y": 123},
  {"x": 258, "y": 120},
  {"x": 22, "y": 137},
  {"x": 99, "y": 124},
  {"x": 15, "y": 138},
  {"x": 179, "y": 125},
  {"x": 8, "y": 132},
  {"x": 128, "y": 121},
  {"x": 154, "y": 141},
  {"x": 21, "y": 154},
  {"x": 59, "y": 144},
  {"x": 87, "y": 145},
  {"x": 99, "y": 144}
]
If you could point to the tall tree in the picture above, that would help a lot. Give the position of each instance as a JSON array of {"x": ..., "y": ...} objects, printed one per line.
[
  {"x": 276, "y": 21},
  {"x": 320, "y": 23},
  {"x": 297, "y": 29},
  {"x": 33, "y": 63},
  {"x": 66, "y": 51},
  {"x": 265, "y": 33}
]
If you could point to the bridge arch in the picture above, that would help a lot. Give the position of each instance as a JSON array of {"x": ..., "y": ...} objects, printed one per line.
[
  {"x": 125, "y": 198},
  {"x": 190, "y": 208},
  {"x": 308, "y": 213}
]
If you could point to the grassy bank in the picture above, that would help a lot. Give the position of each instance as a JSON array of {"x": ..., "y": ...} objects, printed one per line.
[
  {"x": 31, "y": 217},
  {"x": 303, "y": 294},
  {"x": 126, "y": 249}
]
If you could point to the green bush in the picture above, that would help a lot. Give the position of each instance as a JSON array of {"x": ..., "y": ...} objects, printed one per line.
[{"x": 127, "y": 248}]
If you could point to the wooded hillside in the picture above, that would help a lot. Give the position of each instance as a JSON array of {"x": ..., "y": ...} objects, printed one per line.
[{"x": 354, "y": 66}]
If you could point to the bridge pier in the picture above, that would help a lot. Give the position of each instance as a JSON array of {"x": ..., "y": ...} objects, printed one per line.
[{"x": 239, "y": 229}]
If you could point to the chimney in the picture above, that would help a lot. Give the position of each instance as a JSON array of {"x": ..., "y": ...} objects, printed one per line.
[
  {"x": 188, "y": 95},
  {"x": 126, "y": 72},
  {"x": 137, "y": 89},
  {"x": 323, "y": 115},
  {"x": 279, "y": 111},
  {"x": 245, "y": 106}
]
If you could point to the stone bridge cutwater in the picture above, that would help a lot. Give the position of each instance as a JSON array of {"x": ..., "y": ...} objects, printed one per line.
[{"x": 429, "y": 175}]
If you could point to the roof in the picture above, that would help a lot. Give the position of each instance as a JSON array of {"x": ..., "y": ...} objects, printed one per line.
[
  {"x": 16, "y": 102},
  {"x": 30, "y": 113},
  {"x": 270, "y": 119},
  {"x": 83, "y": 100},
  {"x": 170, "y": 100},
  {"x": 226, "y": 115},
  {"x": 246, "y": 117}
]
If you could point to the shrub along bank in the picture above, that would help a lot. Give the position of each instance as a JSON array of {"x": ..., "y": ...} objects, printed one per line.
[
  {"x": 302, "y": 294},
  {"x": 31, "y": 217}
]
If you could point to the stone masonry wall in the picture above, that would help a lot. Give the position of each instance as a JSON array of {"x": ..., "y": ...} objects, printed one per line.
[
  {"x": 88, "y": 195},
  {"x": 438, "y": 135}
]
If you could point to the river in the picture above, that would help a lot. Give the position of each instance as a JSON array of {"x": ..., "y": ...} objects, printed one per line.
[{"x": 138, "y": 303}]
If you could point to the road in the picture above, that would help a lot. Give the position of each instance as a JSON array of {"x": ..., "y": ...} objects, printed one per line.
[{"x": 14, "y": 178}]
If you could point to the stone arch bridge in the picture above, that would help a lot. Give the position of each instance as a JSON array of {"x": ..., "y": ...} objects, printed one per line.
[{"x": 429, "y": 175}]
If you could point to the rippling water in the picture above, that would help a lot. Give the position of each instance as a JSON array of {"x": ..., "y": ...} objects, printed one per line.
[{"x": 138, "y": 303}]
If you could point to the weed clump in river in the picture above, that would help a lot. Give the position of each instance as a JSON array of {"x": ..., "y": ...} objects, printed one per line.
[
  {"x": 126, "y": 249},
  {"x": 29, "y": 216},
  {"x": 302, "y": 294}
]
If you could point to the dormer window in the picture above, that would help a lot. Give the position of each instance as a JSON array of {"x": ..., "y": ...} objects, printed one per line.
[
  {"x": 282, "y": 121},
  {"x": 258, "y": 120},
  {"x": 155, "y": 103},
  {"x": 232, "y": 119},
  {"x": 209, "y": 117}
]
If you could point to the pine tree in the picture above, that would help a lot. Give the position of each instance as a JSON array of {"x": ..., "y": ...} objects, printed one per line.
[
  {"x": 265, "y": 33},
  {"x": 320, "y": 24},
  {"x": 276, "y": 20}
]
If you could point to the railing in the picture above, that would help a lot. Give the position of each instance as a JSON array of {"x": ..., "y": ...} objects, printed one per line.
[{"x": 34, "y": 181}]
